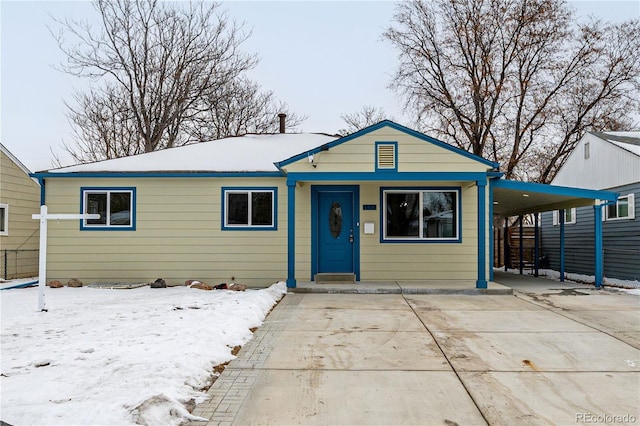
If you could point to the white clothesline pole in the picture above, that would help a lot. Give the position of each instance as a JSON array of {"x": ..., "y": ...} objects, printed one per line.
[{"x": 42, "y": 270}]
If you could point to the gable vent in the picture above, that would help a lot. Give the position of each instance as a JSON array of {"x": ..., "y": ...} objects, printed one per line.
[{"x": 386, "y": 156}]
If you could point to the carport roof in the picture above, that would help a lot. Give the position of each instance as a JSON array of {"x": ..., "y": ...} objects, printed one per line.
[{"x": 512, "y": 198}]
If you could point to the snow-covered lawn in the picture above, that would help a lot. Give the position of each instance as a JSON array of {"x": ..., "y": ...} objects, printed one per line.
[{"x": 117, "y": 357}]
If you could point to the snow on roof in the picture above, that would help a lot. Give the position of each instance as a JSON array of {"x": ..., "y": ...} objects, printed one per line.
[
  {"x": 625, "y": 140},
  {"x": 248, "y": 153}
]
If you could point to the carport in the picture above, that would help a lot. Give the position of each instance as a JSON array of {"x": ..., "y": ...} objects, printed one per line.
[{"x": 510, "y": 198}]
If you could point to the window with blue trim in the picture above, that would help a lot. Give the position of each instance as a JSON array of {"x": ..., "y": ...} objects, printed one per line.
[
  {"x": 252, "y": 208},
  {"x": 421, "y": 215},
  {"x": 116, "y": 207}
]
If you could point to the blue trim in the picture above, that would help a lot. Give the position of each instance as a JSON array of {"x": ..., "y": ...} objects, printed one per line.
[
  {"x": 396, "y": 126},
  {"x": 555, "y": 190},
  {"x": 291, "y": 235},
  {"x": 599, "y": 259},
  {"x": 383, "y": 209},
  {"x": 315, "y": 190},
  {"x": 43, "y": 193},
  {"x": 394, "y": 169},
  {"x": 482, "y": 241},
  {"x": 223, "y": 212},
  {"x": 561, "y": 217},
  {"x": 491, "y": 231},
  {"x": 108, "y": 227},
  {"x": 49, "y": 175},
  {"x": 383, "y": 176}
]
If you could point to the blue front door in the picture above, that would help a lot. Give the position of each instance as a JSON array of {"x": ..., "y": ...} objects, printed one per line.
[{"x": 336, "y": 231}]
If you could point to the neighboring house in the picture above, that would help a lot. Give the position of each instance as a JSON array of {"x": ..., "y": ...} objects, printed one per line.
[
  {"x": 611, "y": 161},
  {"x": 386, "y": 203},
  {"x": 19, "y": 233}
]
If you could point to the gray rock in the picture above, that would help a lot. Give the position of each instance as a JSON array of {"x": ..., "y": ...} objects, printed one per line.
[{"x": 159, "y": 283}]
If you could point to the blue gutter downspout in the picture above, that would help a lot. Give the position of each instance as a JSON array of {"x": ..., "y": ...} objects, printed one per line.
[
  {"x": 599, "y": 259},
  {"x": 291, "y": 234},
  {"x": 42, "y": 191},
  {"x": 536, "y": 248},
  {"x": 482, "y": 241},
  {"x": 561, "y": 215}
]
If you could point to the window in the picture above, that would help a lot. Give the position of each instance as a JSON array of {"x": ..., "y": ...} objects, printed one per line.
[
  {"x": 116, "y": 207},
  {"x": 624, "y": 208},
  {"x": 586, "y": 151},
  {"x": 249, "y": 208},
  {"x": 421, "y": 215},
  {"x": 569, "y": 216},
  {"x": 4, "y": 219}
]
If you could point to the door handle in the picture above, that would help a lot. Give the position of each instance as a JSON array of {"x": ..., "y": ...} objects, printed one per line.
[{"x": 351, "y": 235}]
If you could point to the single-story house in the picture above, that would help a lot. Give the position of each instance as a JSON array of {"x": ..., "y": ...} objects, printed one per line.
[
  {"x": 609, "y": 161},
  {"x": 19, "y": 199},
  {"x": 386, "y": 203}
]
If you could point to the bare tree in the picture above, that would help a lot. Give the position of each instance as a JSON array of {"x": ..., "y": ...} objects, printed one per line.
[
  {"x": 238, "y": 108},
  {"x": 103, "y": 126},
  {"x": 365, "y": 117},
  {"x": 515, "y": 81},
  {"x": 154, "y": 63}
]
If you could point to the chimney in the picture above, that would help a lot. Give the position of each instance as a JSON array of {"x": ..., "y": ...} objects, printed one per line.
[{"x": 282, "y": 117}]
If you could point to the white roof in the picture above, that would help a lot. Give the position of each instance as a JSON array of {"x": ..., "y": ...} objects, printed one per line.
[
  {"x": 626, "y": 144},
  {"x": 249, "y": 153}
]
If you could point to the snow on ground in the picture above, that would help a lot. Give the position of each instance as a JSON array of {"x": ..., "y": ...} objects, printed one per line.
[
  {"x": 106, "y": 357},
  {"x": 580, "y": 278}
]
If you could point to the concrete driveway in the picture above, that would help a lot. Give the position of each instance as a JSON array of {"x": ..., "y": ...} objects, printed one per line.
[{"x": 549, "y": 354}]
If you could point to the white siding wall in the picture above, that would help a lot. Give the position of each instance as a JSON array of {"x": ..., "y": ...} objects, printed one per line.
[{"x": 608, "y": 166}]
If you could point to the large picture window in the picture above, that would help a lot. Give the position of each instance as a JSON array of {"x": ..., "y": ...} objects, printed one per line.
[
  {"x": 421, "y": 215},
  {"x": 116, "y": 207},
  {"x": 249, "y": 208},
  {"x": 624, "y": 208}
]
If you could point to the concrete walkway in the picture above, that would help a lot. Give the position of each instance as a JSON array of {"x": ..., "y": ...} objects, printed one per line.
[{"x": 549, "y": 354}]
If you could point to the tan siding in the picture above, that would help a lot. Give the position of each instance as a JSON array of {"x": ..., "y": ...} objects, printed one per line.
[
  {"x": 22, "y": 195},
  {"x": 303, "y": 232},
  {"x": 418, "y": 261},
  {"x": 178, "y": 235},
  {"x": 414, "y": 155},
  {"x": 178, "y": 232}
]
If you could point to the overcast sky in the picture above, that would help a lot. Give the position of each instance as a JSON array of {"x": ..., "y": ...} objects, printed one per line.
[{"x": 323, "y": 58}]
